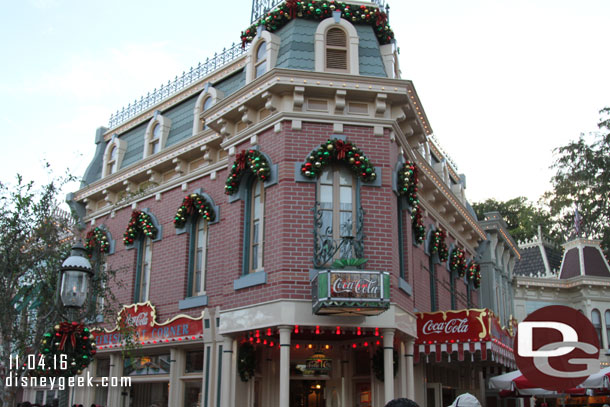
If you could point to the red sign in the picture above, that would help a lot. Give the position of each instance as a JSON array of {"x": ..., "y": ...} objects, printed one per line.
[
  {"x": 142, "y": 318},
  {"x": 470, "y": 325}
]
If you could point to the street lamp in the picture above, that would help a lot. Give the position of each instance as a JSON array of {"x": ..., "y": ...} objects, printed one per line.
[{"x": 75, "y": 273}]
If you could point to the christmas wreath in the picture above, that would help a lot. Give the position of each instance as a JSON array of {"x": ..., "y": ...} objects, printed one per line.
[
  {"x": 341, "y": 151},
  {"x": 252, "y": 159},
  {"x": 193, "y": 203},
  {"x": 246, "y": 361},
  {"x": 320, "y": 10},
  {"x": 474, "y": 274},
  {"x": 97, "y": 238},
  {"x": 139, "y": 223},
  {"x": 66, "y": 350},
  {"x": 457, "y": 262},
  {"x": 438, "y": 245},
  {"x": 378, "y": 365}
]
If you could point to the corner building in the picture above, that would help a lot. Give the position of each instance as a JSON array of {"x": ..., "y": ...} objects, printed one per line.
[{"x": 241, "y": 203}]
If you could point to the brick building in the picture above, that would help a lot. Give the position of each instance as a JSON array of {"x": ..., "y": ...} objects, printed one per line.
[{"x": 241, "y": 202}]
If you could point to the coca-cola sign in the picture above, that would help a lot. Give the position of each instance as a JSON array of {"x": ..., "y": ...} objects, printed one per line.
[
  {"x": 355, "y": 285},
  {"x": 140, "y": 319},
  {"x": 469, "y": 325},
  {"x": 452, "y": 326}
]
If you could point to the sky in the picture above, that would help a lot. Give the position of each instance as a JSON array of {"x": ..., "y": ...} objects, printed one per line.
[{"x": 503, "y": 83}]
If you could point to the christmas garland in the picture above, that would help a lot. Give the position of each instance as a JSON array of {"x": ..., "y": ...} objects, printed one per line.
[
  {"x": 378, "y": 364},
  {"x": 320, "y": 10},
  {"x": 341, "y": 151},
  {"x": 193, "y": 203},
  {"x": 139, "y": 223},
  {"x": 97, "y": 237},
  {"x": 407, "y": 185},
  {"x": 439, "y": 246},
  {"x": 246, "y": 361},
  {"x": 66, "y": 350},
  {"x": 474, "y": 274},
  {"x": 457, "y": 262},
  {"x": 252, "y": 159}
]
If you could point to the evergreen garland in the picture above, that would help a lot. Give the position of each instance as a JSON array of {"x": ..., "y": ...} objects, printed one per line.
[
  {"x": 439, "y": 246},
  {"x": 341, "y": 151},
  {"x": 457, "y": 262},
  {"x": 407, "y": 186},
  {"x": 72, "y": 340},
  {"x": 474, "y": 274},
  {"x": 193, "y": 203},
  {"x": 246, "y": 361},
  {"x": 252, "y": 159},
  {"x": 320, "y": 10},
  {"x": 140, "y": 223},
  {"x": 97, "y": 237}
]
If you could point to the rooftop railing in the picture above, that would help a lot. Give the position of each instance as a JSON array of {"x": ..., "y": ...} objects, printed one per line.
[{"x": 179, "y": 83}]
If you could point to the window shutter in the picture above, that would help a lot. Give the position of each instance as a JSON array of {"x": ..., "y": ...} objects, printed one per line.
[{"x": 336, "y": 49}]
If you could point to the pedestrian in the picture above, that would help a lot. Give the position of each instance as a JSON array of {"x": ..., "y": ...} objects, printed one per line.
[
  {"x": 465, "y": 400},
  {"x": 402, "y": 402}
]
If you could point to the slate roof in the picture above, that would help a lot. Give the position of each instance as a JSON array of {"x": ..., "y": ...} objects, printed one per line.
[{"x": 532, "y": 262}]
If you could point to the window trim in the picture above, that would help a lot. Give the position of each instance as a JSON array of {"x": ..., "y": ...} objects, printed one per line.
[
  {"x": 120, "y": 146},
  {"x": 193, "y": 241},
  {"x": 270, "y": 60},
  {"x": 353, "y": 59},
  {"x": 344, "y": 48},
  {"x": 142, "y": 245},
  {"x": 247, "y": 269},
  {"x": 209, "y": 92},
  {"x": 157, "y": 120}
]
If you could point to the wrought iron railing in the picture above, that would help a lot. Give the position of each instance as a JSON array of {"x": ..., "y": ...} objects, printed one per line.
[
  {"x": 262, "y": 7},
  {"x": 347, "y": 246},
  {"x": 179, "y": 83},
  {"x": 445, "y": 154}
]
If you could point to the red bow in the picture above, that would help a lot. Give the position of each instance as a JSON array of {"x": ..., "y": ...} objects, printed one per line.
[
  {"x": 188, "y": 203},
  {"x": 342, "y": 149},
  {"x": 240, "y": 160},
  {"x": 66, "y": 330},
  {"x": 382, "y": 18},
  {"x": 291, "y": 5}
]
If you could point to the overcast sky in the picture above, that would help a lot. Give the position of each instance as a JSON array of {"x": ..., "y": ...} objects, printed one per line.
[{"x": 502, "y": 82}]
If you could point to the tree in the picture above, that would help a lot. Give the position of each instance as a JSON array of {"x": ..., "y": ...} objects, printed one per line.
[
  {"x": 521, "y": 216},
  {"x": 35, "y": 237},
  {"x": 582, "y": 180}
]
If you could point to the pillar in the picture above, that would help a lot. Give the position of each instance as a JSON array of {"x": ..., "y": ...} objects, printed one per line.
[
  {"x": 410, "y": 370},
  {"x": 116, "y": 370},
  {"x": 402, "y": 370},
  {"x": 177, "y": 367},
  {"x": 285, "y": 365},
  {"x": 388, "y": 364},
  {"x": 225, "y": 381}
]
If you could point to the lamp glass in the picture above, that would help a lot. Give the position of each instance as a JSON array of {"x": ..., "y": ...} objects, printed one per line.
[{"x": 74, "y": 285}]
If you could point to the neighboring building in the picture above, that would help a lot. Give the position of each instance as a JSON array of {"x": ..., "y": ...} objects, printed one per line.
[
  {"x": 581, "y": 281},
  {"x": 231, "y": 195}
]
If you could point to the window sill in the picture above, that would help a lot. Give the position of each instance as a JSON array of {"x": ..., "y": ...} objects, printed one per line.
[
  {"x": 193, "y": 302},
  {"x": 250, "y": 280},
  {"x": 404, "y": 286}
]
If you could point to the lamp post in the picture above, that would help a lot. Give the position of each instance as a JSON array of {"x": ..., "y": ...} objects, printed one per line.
[{"x": 75, "y": 274}]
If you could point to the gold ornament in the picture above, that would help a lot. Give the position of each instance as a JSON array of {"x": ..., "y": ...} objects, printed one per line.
[{"x": 56, "y": 327}]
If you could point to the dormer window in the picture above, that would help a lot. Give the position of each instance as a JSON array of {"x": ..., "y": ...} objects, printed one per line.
[
  {"x": 206, "y": 99},
  {"x": 156, "y": 134},
  {"x": 336, "y": 50},
  {"x": 112, "y": 161},
  {"x": 261, "y": 59},
  {"x": 113, "y": 155},
  {"x": 156, "y": 139}
]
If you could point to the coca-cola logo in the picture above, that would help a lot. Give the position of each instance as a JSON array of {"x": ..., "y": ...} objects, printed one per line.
[
  {"x": 360, "y": 287},
  {"x": 140, "y": 319},
  {"x": 452, "y": 326}
]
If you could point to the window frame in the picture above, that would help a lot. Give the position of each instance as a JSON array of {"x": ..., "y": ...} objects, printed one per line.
[
  {"x": 144, "y": 259},
  {"x": 352, "y": 43},
  {"x": 260, "y": 60},
  {"x": 164, "y": 124},
  {"x": 113, "y": 155},
  {"x": 344, "y": 49},
  {"x": 194, "y": 240},
  {"x": 253, "y": 183},
  {"x": 598, "y": 327}
]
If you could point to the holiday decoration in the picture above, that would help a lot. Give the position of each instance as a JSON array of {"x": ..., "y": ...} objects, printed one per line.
[
  {"x": 66, "y": 350},
  {"x": 246, "y": 361},
  {"x": 457, "y": 262},
  {"x": 193, "y": 203},
  {"x": 97, "y": 238},
  {"x": 378, "y": 365},
  {"x": 474, "y": 274},
  {"x": 140, "y": 223},
  {"x": 251, "y": 159},
  {"x": 320, "y": 10},
  {"x": 341, "y": 151},
  {"x": 438, "y": 245},
  {"x": 407, "y": 186}
]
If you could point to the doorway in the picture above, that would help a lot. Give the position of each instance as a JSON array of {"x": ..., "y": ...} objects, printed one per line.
[{"x": 307, "y": 393}]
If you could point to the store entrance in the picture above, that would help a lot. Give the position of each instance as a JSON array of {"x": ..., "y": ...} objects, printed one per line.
[
  {"x": 149, "y": 394},
  {"x": 307, "y": 393}
]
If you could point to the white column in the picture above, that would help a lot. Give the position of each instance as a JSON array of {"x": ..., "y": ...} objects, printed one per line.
[
  {"x": 176, "y": 369},
  {"x": 410, "y": 370},
  {"x": 227, "y": 355},
  {"x": 285, "y": 365},
  {"x": 388, "y": 364},
  {"x": 402, "y": 369},
  {"x": 116, "y": 370}
]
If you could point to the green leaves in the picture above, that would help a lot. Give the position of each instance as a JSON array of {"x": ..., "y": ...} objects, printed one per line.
[{"x": 348, "y": 263}]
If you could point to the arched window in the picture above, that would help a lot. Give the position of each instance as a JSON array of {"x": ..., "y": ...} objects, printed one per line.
[
  {"x": 607, "y": 317},
  {"x": 198, "y": 263},
  {"x": 155, "y": 141},
  {"x": 143, "y": 268},
  {"x": 596, "y": 319},
  {"x": 111, "y": 165},
  {"x": 260, "y": 66},
  {"x": 156, "y": 134},
  {"x": 336, "y": 50},
  {"x": 113, "y": 155},
  {"x": 255, "y": 223}
]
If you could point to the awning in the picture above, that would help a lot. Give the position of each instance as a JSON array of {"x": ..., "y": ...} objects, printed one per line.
[
  {"x": 468, "y": 330},
  {"x": 514, "y": 384}
]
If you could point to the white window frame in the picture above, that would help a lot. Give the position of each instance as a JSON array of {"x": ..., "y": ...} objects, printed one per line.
[
  {"x": 260, "y": 242},
  {"x": 146, "y": 260},
  {"x": 202, "y": 224},
  {"x": 208, "y": 93},
  {"x": 270, "y": 58},
  {"x": 120, "y": 146},
  {"x": 353, "y": 59},
  {"x": 165, "y": 124}
]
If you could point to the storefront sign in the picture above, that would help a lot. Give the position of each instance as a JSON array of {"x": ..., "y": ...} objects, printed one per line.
[
  {"x": 350, "y": 292},
  {"x": 452, "y": 326},
  {"x": 140, "y": 321},
  {"x": 319, "y": 363}
]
